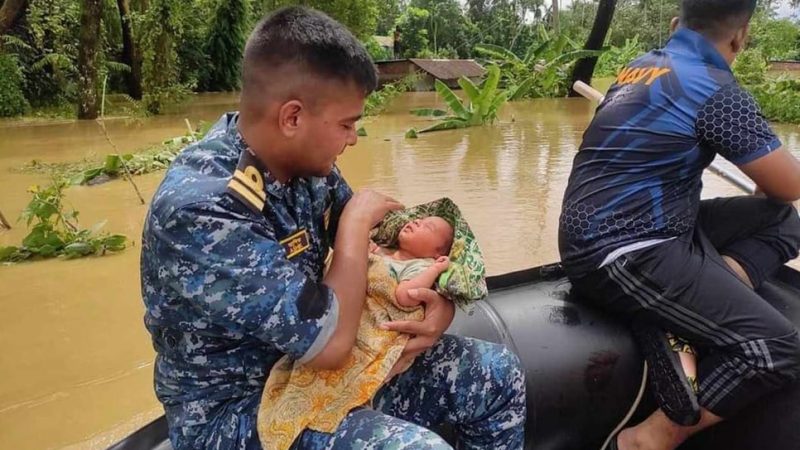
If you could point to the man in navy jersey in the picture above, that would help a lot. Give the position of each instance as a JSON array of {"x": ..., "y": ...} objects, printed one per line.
[{"x": 636, "y": 239}]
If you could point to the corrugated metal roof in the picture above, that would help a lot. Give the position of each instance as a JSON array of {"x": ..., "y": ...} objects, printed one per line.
[{"x": 450, "y": 69}]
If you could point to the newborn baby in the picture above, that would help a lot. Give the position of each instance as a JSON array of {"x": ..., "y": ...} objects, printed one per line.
[{"x": 420, "y": 256}]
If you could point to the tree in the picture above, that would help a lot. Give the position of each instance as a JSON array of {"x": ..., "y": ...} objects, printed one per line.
[
  {"x": 412, "y": 28},
  {"x": 224, "y": 46},
  {"x": 388, "y": 12},
  {"x": 130, "y": 54},
  {"x": 584, "y": 69},
  {"x": 359, "y": 16},
  {"x": 87, "y": 59},
  {"x": 9, "y": 13},
  {"x": 448, "y": 28}
]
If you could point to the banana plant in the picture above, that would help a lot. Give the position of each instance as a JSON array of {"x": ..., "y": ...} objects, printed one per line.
[
  {"x": 480, "y": 107},
  {"x": 543, "y": 71}
]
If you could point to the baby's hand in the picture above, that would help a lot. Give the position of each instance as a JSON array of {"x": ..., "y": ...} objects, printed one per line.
[
  {"x": 373, "y": 247},
  {"x": 442, "y": 263}
]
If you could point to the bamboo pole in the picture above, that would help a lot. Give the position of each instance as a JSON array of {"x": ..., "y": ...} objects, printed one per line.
[{"x": 101, "y": 122}]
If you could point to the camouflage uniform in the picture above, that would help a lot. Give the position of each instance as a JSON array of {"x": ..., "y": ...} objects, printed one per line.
[{"x": 231, "y": 268}]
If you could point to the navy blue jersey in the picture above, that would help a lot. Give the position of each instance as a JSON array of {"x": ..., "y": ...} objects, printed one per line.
[{"x": 637, "y": 176}]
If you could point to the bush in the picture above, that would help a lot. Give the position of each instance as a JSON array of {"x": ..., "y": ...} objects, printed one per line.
[
  {"x": 750, "y": 67},
  {"x": 12, "y": 100},
  {"x": 779, "y": 99},
  {"x": 376, "y": 52},
  {"x": 615, "y": 59}
]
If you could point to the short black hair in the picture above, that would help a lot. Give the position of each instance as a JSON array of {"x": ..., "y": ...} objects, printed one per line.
[
  {"x": 716, "y": 18},
  {"x": 312, "y": 40}
]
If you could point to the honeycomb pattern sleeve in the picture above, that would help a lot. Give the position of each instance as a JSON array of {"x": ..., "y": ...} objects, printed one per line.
[{"x": 732, "y": 125}]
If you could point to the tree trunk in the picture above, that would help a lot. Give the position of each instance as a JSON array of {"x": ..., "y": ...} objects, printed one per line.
[
  {"x": 133, "y": 79},
  {"x": 556, "y": 18},
  {"x": 584, "y": 69},
  {"x": 87, "y": 59},
  {"x": 10, "y": 11}
]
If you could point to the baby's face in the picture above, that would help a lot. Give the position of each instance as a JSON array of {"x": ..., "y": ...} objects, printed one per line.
[{"x": 426, "y": 238}]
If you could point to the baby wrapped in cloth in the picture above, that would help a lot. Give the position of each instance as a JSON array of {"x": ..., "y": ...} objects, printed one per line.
[{"x": 298, "y": 397}]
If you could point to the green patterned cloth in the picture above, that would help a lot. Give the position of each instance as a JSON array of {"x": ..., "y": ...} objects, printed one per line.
[{"x": 464, "y": 282}]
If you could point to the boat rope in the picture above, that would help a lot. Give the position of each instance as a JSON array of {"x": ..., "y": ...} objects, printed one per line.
[{"x": 631, "y": 411}]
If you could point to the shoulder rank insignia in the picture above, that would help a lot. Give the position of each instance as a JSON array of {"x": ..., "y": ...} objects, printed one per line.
[
  {"x": 295, "y": 244},
  {"x": 247, "y": 183}
]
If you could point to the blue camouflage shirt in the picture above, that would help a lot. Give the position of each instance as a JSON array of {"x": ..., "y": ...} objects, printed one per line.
[{"x": 231, "y": 270}]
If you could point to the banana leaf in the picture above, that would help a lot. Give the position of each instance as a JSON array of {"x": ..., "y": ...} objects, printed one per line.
[
  {"x": 575, "y": 55},
  {"x": 497, "y": 52},
  {"x": 488, "y": 93},
  {"x": 472, "y": 91},
  {"x": 452, "y": 99},
  {"x": 519, "y": 91},
  {"x": 451, "y": 124},
  {"x": 428, "y": 112}
]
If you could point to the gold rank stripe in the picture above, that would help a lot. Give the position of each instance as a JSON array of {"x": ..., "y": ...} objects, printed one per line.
[
  {"x": 242, "y": 189},
  {"x": 295, "y": 244},
  {"x": 243, "y": 178}
]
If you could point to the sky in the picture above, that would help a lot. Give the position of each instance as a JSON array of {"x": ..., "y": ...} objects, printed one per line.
[{"x": 784, "y": 10}]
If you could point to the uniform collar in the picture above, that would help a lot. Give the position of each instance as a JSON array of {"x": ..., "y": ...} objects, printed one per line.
[
  {"x": 691, "y": 43},
  {"x": 248, "y": 158}
]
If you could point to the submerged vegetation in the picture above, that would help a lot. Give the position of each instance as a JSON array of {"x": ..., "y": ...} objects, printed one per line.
[
  {"x": 481, "y": 106},
  {"x": 779, "y": 97},
  {"x": 114, "y": 165},
  {"x": 543, "y": 70},
  {"x": 54, "y": 230}
]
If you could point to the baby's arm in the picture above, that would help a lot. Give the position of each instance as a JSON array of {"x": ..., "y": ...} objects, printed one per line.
[{"x": 425, "y": 280}]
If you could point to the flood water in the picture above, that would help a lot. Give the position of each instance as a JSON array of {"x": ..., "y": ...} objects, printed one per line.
[{"x": 76, "y": 365}]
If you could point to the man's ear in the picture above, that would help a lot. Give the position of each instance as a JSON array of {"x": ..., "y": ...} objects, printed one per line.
[
  {"x": 739, "y": 40},
  {"x": 290, "y": 117},
  {"x": 674, "y": 24}
]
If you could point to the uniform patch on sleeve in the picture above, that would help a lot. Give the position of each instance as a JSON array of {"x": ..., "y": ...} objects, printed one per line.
[{"x": 296, "y": 243}]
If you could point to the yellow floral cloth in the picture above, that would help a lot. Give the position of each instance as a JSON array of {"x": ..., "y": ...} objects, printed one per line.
[{"x": 296, "y": 397}]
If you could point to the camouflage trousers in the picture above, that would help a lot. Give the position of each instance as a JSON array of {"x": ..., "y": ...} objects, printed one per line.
[{"x": 475, "y": 386}]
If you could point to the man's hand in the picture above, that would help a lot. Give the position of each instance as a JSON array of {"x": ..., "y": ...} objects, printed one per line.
[
  {"x": 368, "y": 207},
  {"x": 439, "y": 314}
]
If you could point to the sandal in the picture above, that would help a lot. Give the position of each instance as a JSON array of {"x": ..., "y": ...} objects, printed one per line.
[{"x": 674, "y": 392}]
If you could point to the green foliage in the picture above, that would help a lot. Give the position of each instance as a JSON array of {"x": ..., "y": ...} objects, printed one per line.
[
  {"x": 54, "y": 231},
  {"x": 160, "y": 28},
  {"x": 615, "y": 59},
  {"x": 481, "y": 107},
  {"x": 12, "y": 100},
  {"x": 376, "y": 51},
  {"x": 47, "y": 51},
  {"x": 750, "y": 67},
  {"x": 543, "y": 71},
  {"x": 450, "y": 33},
  {"x": 777, "y": 39},
  {"x": 359, "y": 16},
  {"x": 93, "y": 171},
  {"x": 412, "y": 27},
  {"x": 224, "y": 46},
  {"x": 377, "y": 101},
  {"x": 779, "y": 98}
]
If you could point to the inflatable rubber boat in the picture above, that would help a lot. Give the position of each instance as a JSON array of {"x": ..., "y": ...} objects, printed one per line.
[{"x": 585, "y": 375}]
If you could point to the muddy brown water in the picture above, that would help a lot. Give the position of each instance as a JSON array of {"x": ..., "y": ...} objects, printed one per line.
[{"x": 76, "y": 366}]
